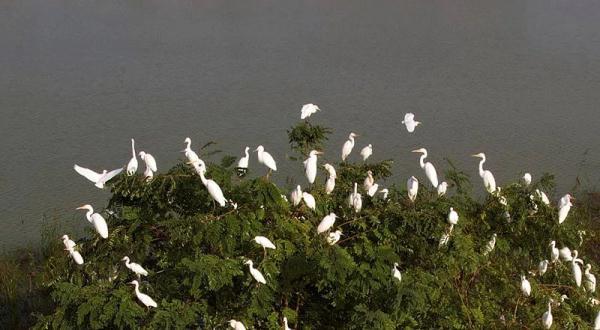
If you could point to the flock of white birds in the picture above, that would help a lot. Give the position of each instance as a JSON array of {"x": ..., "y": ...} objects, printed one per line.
[{"x": 297, "y": 196}]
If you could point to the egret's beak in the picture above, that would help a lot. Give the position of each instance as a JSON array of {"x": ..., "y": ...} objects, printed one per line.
[
  {"x": 320, "y": 152},
  {"x": 255, "y": 150},
  {"x": 416, "y": 150},
  {"x": 81, "y": 207},
  {"x": 477, "y": 156},
  {"x": 183, "y": 150}
]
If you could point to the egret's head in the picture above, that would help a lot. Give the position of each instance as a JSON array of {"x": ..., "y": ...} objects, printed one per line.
[
  {"x": 494, "y": 235},
  {"x": 315, "y": 152},
  {"x": 125, "y": 258},
  {"x": 384, "y": 191},
  {"x": 369, "y": 173},
  {"x": 451, "y": 209},
  {"x": 552, "y": 244},
  {"x": 333, "y": 215},
  {"x": 353, "y": 135},
  {"x": 588, "y": 267},
  {"x": 395, "y": 264},
  {"x": 479, "y": 155},
  {"x": 417, "y": 123},
  {"x": 187, "y": 140},
  {"x": 134, "y": 282},
  {"x": 260, "y": 148},
  {"x": 522, "y": 277},
  {"x": 420, "y": 150},
  {"x": 65, "y": 237},
  {"x": 370, "y": 145},
  {"x": 85, "y": 207},
  {"x": 246, "y": 149},
  {"x": 412, "y": 178},
  {"x": 232, "y": 323},
  {"x": 142, "y": 154},
  {"x": 249, "y": 262}
]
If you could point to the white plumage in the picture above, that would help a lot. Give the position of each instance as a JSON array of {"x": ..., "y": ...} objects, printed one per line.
[
  {"x": 385, "y": 193},
  {"x": 136, "y": 268},
  {"x": 396, "y": 273},
  {"x": 348, "y": 146},
  {"x": 243, "y": 162},
  {"x": 258, "y": 276},
  {"x": 310, "y": 166},
  {"x": 452, "y": 217},
  {"x": 373, "y": 190},
  {"x": 441, "y": 188},
  {"x": 355, "y": 199},
  {"x": 144, "y": 298},
  {"x": 490, "y": 245},
  {"x": 488, "y": 178},
  {"x": 96, "y": 219},
  {"x": 334, "y": 237},
  {"x": 149, "y": 160},
  {"x": 590, "y": 280},
  {"x": 575, "y": 269},
  {"x": 526, "y": 179},
  {"x": 326, "y": 223},
  {"x": 190, "y": 154},
  {"x": 132, "y": 166},
  {"x": 430, "y": 171},
  {"x": 542, "y": 196},
  {"x": 366, "y": 152},
  {"x": 597, "y": 321},
  {"x": 565, "y": 254},
  {"x": 308, "y": 109},
  {"x": 564, "y": 208},
  {"x": 266, "y": 159},
  {"x": 409, "y": 122},
  {"x": 554, "y": 254},
  {"x": 525, "y": 286},
  {"x": 264, "y": 242},
  {"x": 547, "y": 317},
  {"x": 285, "y": 324},
  {"x": 543, "y": 267},
  {"x": 69, "y": 244},
  {"x": 213, "y": 188},
  {"x": 309, "y": 200},
  {"x": 76, "y": 256},
  {"x": 236, "y": 325},
  {"x": 369, "y": 181},
  {"x": 296, "y": 195},
  {"x": 99, "y": 179},
  {"x": 412, "y": 187}
]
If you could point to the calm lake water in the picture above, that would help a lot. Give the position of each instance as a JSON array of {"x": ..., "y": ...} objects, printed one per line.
[{"x": 518, "y": 80}]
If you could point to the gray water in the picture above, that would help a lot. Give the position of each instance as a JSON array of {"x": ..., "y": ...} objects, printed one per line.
[{"x": 518, "y": 80}]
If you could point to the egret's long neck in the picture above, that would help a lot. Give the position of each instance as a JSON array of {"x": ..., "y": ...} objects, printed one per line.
[
  {"x": 481, "y": 166},
  {"x": 133, "y": 148},
  {"x": 127, "y": 263},
  {"x": 351, "y": 139},
  {"x": 189, "y": 146},
  {"x": 246, "y": 152},
  {"x": 137, "y": 288},
  {"x": 88, "y": 215},
  {"x": 355, "y": 188},
  {"x": 203, "y": 178},
  {"x": 422, "y": 159}
]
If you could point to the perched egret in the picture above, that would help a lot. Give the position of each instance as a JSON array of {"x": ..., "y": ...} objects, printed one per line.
[
  {"x": 452, "y": 217},
  {"x": 488, "y": 178},
  {"x": 133, "y": 162},
  {"x": 191, "y": 156},
  {"x": 99, "y": 179},
  {"x": 428, "y": 167},
  {"x": 355, "y": 199},
  {"x": 309, "y": 200},
  {"x": 148, "y": 174},
  {"x": 330, "y": 183},
  {"x": 554, "y": 254},
  {"x": 242, "y": 165},
  {"x": 96, "y": 219},
  {"x": 385, "y": 193},
  {"x": 490, "y": 245},
  {"x": 326, "y": 223},
  {"x": 564, "y": 208},
  {"x": 264, "y": 242},
  {"x": 285, "y": 324},
  {"x": 410, "y": 122},
  {"x": 590, "y": 279},
  {"x": 149, "y": 160},
  {"x": 526, "y": 179},
  {"x": 308, "y": 109},
  {"x": 266, "y": 159},
  {"x": 542, "y": 196},
  {"x": 396, "y": 273},
  {"x": 76, "y": 256},
  {"x": 371, "y": 192},
  {"x": 575, "y": 269},
  {"x": 136, "y": 268},
  {"x": 543, "y": 267},
  {"x": 296, "y": 195},
  {"x": 334, "y": 237},
  {"x": 441, "y": 188},
  {"x": 213, "y": 188},
  {"x": 366, "y": 152},
  {"x": 446, "y": 236},
  {"x": 412, "y": 187},
  {"x": 144, "y": 298},
  {"x": 547, "y": 317},
  {"x": 369, "y": 181},
  {"x": 310, "y": 166},
  {"x": 69, "y": 244},
  {"x": 565, "y": 254},
  {"x": 597, "y": 321},
  {"x": 236, "y": 325},
  {"x": 348, "y": 146},
  {"x": 258, "y": 276},
  {"x": 525, "y": 286}
]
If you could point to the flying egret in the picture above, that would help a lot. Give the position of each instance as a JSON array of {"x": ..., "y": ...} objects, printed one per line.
[
  {"x": 590, "y": 279},
  {"x": 258, "y": 276},
  {"x": 452, "y": 217},
  {"x": 565, "y": 207},
  {"x": 296, "y": 195},
  {"x": 330, "y": 183},
  {"x": 136, "y": 268},
  {"x": 69, "y": 244},
  {"x": 543, "y": 267},
  {"x": 334, "y": 237},
  {"x": 373, "y": 190},
  {"x": 526, "y": 179},
  {"x": 191, "y": 156},
  {"x": 525, "y": 286},
  {"x": 410, "y": 122},
  {"x": 309, "y": 200},
  {"x": 76, "y": 256},
  {"x": 575, "y": 269},
  {"x": 99, "y": 179},
  {"x": 542, "y": 196},
  {"x": 310, "y": 166},
  {"x": 396, "y": 273},
  {"x": 326, "y": 223},
  {"x": 490, "y": 245},
  {"x": 149, "y": 160},
  {"x": 285, "y": 324},
  {"x": 441, "y": 188},
  {"x": 366, "y": 152},
  {"x": 266, "y": 159},
  {"x": 554, "y": 254},
  {"x": 236, "y": 325},
  {"x": 385, "y": 193},
  {"x": 133, "y": 162},
  {"x": 348, "y": 146},
  {"x": 369, "y": 181},
  {"x": 96, "y": 219},
  {"x": 242, "y": 166},
  {"x": 308, "y": 109},
  {"x": 412, "y": 187},
  {"x": 565, "y": 254},
  {"x": 547, "y": 317},
  {"x": 144, "y": 298},
  {"x": 488, "y": 178},
  {"x": 213, "y": 188},
  {"x": 264, "y": 242},
  {"x": 428, "y": 167}
]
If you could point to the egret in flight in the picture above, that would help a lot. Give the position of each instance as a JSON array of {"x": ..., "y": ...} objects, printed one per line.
[
  {"x": 412, "y": 186},
  {"x": 334, "y": 237},
  {"x": 133, "y": 162},
  {"x": 136, "y": 268},
  {"x": 309, "y": 200},
  {"x": 242, "y": 166},
  {"x": 236, "y": 325},
  {"x": 564, "y": 208},
  {"x": 296, "y": 196},
  {"x": 366, "y": 152},
  {"x": 441, "y": 188},
  {"x": 142, "y": 297},
  {"x": 547, "y": 317},
  {"x": 258, "y": 276},
  {"x": 410, "y": 122},
  {"x": 330, "y": 183},
  {"x": 308, "y": 109},
  {"x": 310, "y": 166},
  {"x": 428, "y": 167},
  {"x": 590, "y": 279},
  {"x": 525, "y": 286},
  {"x": 191, "y": 156},
  {"x": 326, "y": 223},
  {"x": 99, "y": 179},
  {"x": 488, "y": 178},
  {"x": 266, "y": 159},
  {"x": 396, "y": 273},
  {"x": 96, "y": 219},
  {"x": 213, "y": 188},
  {"x": 348, "y": 146}
]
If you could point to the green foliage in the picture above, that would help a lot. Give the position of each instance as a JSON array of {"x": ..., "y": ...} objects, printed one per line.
[{"x": 195, "y": 252}]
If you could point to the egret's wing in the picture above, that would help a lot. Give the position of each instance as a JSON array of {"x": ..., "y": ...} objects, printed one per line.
[
  {"x": 111, "y": 174},
  {"x": 87, "y": 173},
  {"x": 151, "y": 161}
]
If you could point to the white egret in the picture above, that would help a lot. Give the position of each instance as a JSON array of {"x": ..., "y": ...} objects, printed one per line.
[
  {"x": 310, "y": 166},
  {"x": 264, "y": 242},
  {"x": 542, "y": 196},
  {"x": 441, "y": 188},
  {"x": 133, "y": 162},
  {"x": 452, "y": 217},
  {"x": 296, "y": 195},
  {"x": 385, "y": 193},
  {"x": 236, "y": 325},
  {"x": 373, "y": 190},
  {"x": 490, "y": 245},
  {"x": 554, "y": 254},
  {"x": 191, "y": 156},
  {"x": 149, "y": 160},
  {"x": 285, "y": 324},
  {"x": 266, "y": 159},
  {"x": 144, "y": 298},
  {"x": 148, "y": 174},
  {"x": 326, "y": 223},
  {"x": 242, "y": 165},
  {"x": 136, "y": 268},
  {"x": 446, "y": 236},
  {"x": 525, "y": 286},
  {"x": 308, "y": 109},
  {"x": 543, "y": 267},
  {"x": 334, "y": 237},
  {"x": 348, "y": 146},
  {"x": 488, "y": 178},
  {"x": 428, "y": 167},
  {"x": 590, "y": 279},
  {"x": 76, "y": 256},
  {"x": 69, "y": 244},
  {"x": 547, "y": 317},
  {"x": 99, "y": 179},
  {"x": 565, "y": 254},
  {"x": 369, "y": 181},
  {"x": 96, "y": 219},
  {"x": 356, "y": 199},
  {"x": 565, "y": 206},
  {"x": 412, "y": 187},
  {"x": 410, "y": 122},
  {"x": 366, "y": 152},
  {"x": 330, "y": 183},
  {"x": 575, "y": 269},
  {"x": 396, "y": 273},
  {"x": 258, "y": 276},
  {"x": 213, "y": 188},
  {"x": 597, "y": 321},
  {"x": 309, "y": 200},
  {"x": 526, "y": 179}
]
